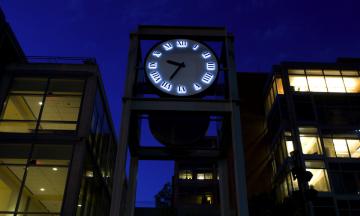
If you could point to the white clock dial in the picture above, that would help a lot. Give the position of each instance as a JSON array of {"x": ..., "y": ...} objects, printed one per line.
[{"x": 181, "y": 67}]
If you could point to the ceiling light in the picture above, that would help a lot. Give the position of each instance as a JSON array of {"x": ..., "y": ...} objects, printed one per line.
[
  {"x": 55, "y": 169},
  {"x": 79, "y": 205},
  {"x": 42, "y": 189},
  {"x": 40, "y": 103}
]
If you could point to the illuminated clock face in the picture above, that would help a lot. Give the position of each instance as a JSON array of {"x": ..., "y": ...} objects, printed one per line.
[{"x": 181, "y": 67}]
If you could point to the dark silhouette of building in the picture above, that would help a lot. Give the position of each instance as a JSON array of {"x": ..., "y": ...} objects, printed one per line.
[{"x": 57, "y": 143}]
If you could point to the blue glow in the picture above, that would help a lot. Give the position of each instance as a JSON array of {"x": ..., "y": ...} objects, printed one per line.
[
  {"x": 181, "y": 43},
  {"x": 157, "y": 54},
  {"x": 168, "y": 46}
]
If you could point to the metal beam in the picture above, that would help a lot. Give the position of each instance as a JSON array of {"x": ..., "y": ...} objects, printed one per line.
[{"x": 215, "y": 107}]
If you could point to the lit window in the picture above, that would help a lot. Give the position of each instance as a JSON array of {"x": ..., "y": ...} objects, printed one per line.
[
  {"x": 209, "y": 199},
  {"x": 185, "y": 174},
  {"x": 208, "y": 176},
  {"x": 289, "y": 147},
  {"x": 352, "y": 84},
  {"x": 310, "y": 145},
  {"x": 279, "y": 85},
  {"x": 319, "y": 180},
  {"x": 354, "y": 147},
  {"x": 329, "y": 147},
  {"x": 200, "y": 176},
  {"x": 299, "y": 83},
  {"x": 340, "y": 148},
  {"x": 317, "y": 84},
  {"x": 335, "y": 84}
]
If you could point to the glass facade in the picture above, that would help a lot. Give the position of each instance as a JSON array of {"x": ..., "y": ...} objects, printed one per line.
[
  {"x": 97, "y": 178},
  {"x": 45, "y": 105},
  {"x": 33, "y": 180},
  {"x": 334, "y": 81},
  {"x": 275, "y": 89}
]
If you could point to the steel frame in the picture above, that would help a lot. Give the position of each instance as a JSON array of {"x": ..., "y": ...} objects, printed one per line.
[{"x": 133, "y": 104}]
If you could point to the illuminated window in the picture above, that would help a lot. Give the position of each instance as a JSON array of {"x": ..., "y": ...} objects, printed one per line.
[
  {"x": 279, "y": 85},
  {"x": 310, "y": 144},
  {"x": 329, "y": 147},
  {"x": 289, "y": 147},
  {"x": 335, "y": 84},
  {"x": 317, "y": 84},
  {"x": 200, "y": 176},
  {"x": 209, "y": 199},
  {"x": 341, "y": 148},
  {"x": 185, "y": 174},
  {"x": 354, "y": 147},
  {"x": 352, "y": 84},
  {"x": 319, "y": 180},
  {"x": 299, "y": 83},
  {"x": 208, "y": 176},
  {"x": 57, "y": 100}
]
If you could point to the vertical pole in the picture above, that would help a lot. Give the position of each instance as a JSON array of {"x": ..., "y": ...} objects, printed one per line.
[
  {"x": 120, "y": 163},
  {"x": 237, "y": 144},
  {"x": 131, "y": 193},
  {"x": 224, "y": 187}
]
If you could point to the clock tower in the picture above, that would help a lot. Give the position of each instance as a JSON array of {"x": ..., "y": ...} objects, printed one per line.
[{"x": 181, "y": 81}]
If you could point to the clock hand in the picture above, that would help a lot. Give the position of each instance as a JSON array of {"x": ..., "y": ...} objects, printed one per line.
[
  {"x": 181, "y": 65},
  {"x": 174, "y": 63}
]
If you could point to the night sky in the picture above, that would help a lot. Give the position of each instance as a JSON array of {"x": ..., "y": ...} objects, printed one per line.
[{"x": 266, "y": 33}]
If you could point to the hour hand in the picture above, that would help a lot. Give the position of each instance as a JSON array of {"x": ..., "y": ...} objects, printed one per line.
[{"x": 176, "y": 63}]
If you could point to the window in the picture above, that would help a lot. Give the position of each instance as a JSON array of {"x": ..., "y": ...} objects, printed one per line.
[
  {"x": 36, "y": 184},
  {"x": 342, "y": 147},
  {"x": 310, "y": 144},
  {"x": 200, "y": 176},
  {"x": 185, "y": 174},
  {"x": 325, "y": 81},
  {"x": 276, "y": 88},
  {"x": 208, "y": 176},
  {"x": 41, "y": 104},
  {"x": 319, "y": 181}
]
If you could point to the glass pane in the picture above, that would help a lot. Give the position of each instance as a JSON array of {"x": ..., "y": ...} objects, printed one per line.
[
  {"x": 340, "y": 148},
  {"x": 310, "y": 145},
  {"x": 208, "y": 176},
  {"x": 279, "y": 85},
  {"x": 57, "y": 126},
  {"x": 314, "y": 72},
  {"x": 60, "y": 108},
  {"x": 299, "y": 83},
  {"x": 319, "y": 180},
  {"x": 289, "y": 147},
  {"x": 335, "y": 84},
  {"x": 10, "y": 182},
  {"x": 22, "y": 107},
  {"x": 329, "y": 148},
  {"x": 349, "y": 73},
  {"x": 66, "y": 86},
  {"x": 44, "y": 189},
  {"x": 331, "y": 72},
  {"x": 317, "y": 84},
  {"x": 17, "y": 126},
  {"x": 296, "y": 71},
  {"x": 28, "y": 85},
  {"x": 354, "y": 148},
  {"x": 352, "y": 84},
  {"x": 200, "y": 176}
]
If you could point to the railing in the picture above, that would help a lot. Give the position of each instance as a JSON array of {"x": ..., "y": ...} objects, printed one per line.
[{"x": 60, "y": 60}]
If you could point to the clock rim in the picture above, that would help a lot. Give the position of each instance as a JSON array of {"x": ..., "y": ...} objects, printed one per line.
[{"x": 177, "y": 95}]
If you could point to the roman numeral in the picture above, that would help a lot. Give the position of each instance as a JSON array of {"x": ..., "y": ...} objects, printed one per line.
[
  {"x": 211, "y": 66},
  {"x": 165, "y": 85},
  {"x": 167, "y": 46},
  {"x": 152, "y": 65},
  {"x": 156, "y": 77},
  {"x": 207, "y": 78},
  {"x": 206, "y": 54},
  {"x": 197, "y": 86},
  {"x": 195, "y": 47},
  {"x": 181, "y": 43},
  {"x": 181, "y": 89},
  {"x": 157, "y": 54}
]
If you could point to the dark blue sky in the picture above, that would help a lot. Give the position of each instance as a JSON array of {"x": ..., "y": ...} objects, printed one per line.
[{"x": 266, "y": 32}]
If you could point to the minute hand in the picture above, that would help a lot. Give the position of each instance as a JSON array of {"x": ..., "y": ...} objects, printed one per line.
[{"x": 175, "y": 72}]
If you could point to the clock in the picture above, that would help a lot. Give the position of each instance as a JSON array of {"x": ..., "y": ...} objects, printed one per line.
[{"x": 181, "y": 67}]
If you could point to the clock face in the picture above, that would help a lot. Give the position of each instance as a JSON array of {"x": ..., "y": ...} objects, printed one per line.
[{"x": 181, "y": 67}]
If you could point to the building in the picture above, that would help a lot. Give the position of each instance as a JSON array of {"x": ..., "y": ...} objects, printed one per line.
[{"x": 57, "y": 141}]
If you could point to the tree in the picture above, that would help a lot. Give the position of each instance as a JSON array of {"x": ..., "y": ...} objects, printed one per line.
[{"x": 164, "y": 196}]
